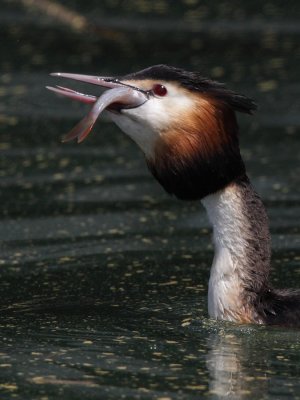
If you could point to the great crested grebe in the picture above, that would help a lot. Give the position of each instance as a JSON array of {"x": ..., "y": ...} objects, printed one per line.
[{"x": 186, "y": 126}]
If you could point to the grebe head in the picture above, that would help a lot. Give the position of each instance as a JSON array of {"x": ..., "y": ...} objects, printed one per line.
[{"x": 184, "y": 123}]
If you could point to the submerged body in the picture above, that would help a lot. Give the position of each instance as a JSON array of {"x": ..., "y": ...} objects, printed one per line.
[{"x": 186, "y": 127}]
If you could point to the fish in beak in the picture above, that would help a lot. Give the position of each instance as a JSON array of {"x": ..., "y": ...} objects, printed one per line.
[{"x": 119, "y": 96}]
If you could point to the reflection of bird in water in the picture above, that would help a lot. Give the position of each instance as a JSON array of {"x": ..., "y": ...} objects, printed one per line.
[
  {"x": 229, "y": 360},
  {"x": 186, "y": 127}
]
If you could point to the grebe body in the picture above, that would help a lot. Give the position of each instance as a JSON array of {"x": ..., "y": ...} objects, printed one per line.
[{"x": 186, "y": 127}]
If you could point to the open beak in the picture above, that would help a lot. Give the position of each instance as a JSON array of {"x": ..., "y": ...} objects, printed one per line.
[{"x": 119, "y": 96}]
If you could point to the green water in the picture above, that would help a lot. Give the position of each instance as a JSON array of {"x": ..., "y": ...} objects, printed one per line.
[{"x": 103, "y": 276}]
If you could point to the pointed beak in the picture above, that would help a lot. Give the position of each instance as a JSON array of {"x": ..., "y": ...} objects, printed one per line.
[{"x": 119, "y": 96}]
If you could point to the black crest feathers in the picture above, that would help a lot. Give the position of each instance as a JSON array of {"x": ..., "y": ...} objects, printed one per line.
[{"x": 196, "y": 82}]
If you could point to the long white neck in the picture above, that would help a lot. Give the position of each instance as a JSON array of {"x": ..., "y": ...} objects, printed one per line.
[{"x": 242, "y": 252}]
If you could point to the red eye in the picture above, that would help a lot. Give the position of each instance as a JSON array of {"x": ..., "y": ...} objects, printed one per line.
[{"x": 159, "y": 90}]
